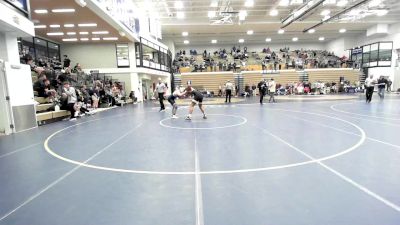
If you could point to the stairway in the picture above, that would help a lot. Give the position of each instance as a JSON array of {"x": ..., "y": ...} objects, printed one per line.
[{"x": 303, "y": 75}]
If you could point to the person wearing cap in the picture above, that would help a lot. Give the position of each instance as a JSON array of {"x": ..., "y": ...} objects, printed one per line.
[
  {"x": 160, "y": 89},
  {"x": 228, "y": 91},
  {"x": 272, "y": 90}
]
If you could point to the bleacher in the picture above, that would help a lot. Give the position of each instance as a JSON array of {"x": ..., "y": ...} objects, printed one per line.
[
  {"x": 329, "y": 75},
  {"x": 208, "y": 81}
]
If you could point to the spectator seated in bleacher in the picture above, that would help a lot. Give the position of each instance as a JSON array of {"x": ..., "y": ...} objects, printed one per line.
[{"x": 43, "y": 88}]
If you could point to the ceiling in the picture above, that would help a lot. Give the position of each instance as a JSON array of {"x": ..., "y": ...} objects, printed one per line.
[
  {"x": 259, "y": 20},
  {"x": 82, "y": 15}
]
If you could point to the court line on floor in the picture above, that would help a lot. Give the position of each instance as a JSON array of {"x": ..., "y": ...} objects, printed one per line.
[
  {"x": 344, "y": 131},
  {"x": 199, "y": 193},
  {"x": 361, "y": 118},
  {"x": 333, "y": 107},
  {"x": 33, "y": 197},
  {"x": 244, "y": 120},
  {"x": 346, "y": 151},
  {"x": 340, "y": 175}
]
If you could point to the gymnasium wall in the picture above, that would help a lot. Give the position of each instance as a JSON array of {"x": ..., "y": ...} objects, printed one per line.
[{"x": 91, "y": 55}]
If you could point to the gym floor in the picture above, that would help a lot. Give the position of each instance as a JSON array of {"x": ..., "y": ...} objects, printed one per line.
[{"x": 290, "y": 163}]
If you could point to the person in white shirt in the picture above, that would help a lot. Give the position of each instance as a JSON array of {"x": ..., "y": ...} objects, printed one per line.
[
  {"x": 369, "y": 86},
  {"x": 272, "y": 90},
  {"x": 229, "y": 88},
  {"x": 160, "y": 89},
  {"x": 72, "y": 99}
]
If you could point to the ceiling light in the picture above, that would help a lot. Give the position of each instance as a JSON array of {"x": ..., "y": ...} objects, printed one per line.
[
  {"x": 241, "y": 40},
  {"x": 40, "y": 26},
  {"x": 382, "y": 12},
  {"x": 185, "y": 33},
  {"x": 295, "y": 39},
  {"x": 214, "y": 4},
  {"x": 95, "y": 39},
  {"x": 180, "y": 15},
  {"x": 329, "y": 2},
  {"x": 268, "y": 39},
  {"x": 326, "y": 18},
  {"x": 342, "y": 3},
  {"x": 296, "y": 2},
  {"x": 122, "y": 33},
  {"x": 283, "y": 2},
  {"x": 250, "y": 32},
  {"x": 71, "y": 33},
  {"x": 273, "y": 12},
  {"x": 249, "y": 3},
  {"x": 100, "y": 32},
  {"x": 311, "y": 31},
  {"x": 110, "y": 38},
  {"x": 69, "y": 25},
  {"x": 87, "y": 25},
  {"x": 41, "y": 11},
  {"x": 55, "y": 26},
  {"x": 325, "y": 12},
  {"x": 342, "y": 30},
  {"x": 242, "y": 14},
  {"x": 82, "y": 3},
  {"x": 186, "y": 42},
  {"x": 321, "y": 38},
  {"x": 374, "y": 3},
  {"x": 281, "y": 31},
  {"x": 55, "y": 34},
  {"x": 213, "y": 41},
  {"x": 63, "y": 10},
  {"x": 178, "y": 4},
  {"x": 84, "y": 39},
  {"x": 211, "y": 14},
  {"x": 70, "y": 39},
  {"x": 83, "y": 33}
]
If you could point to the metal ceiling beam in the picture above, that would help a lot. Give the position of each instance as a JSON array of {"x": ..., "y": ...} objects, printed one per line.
[
  {"x": 336, "y": 15},
  {"x": 308, "y": 9}
]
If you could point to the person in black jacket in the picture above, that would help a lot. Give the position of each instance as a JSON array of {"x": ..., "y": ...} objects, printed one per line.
[
  {"x": 262, "y": 88},
  {"x": 382, "y": 86}
]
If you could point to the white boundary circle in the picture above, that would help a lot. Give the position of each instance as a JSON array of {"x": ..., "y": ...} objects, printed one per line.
[
  {"x": 333, "y": 107},
  {"x": 244, "y": 120},
  {"x": 346, "y": 151}
]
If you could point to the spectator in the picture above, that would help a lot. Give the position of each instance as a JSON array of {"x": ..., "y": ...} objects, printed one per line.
[
  {"x": 44, "y": 90},
  {"x": 71, "y": 99},
  {"x": 389, "y": 85},
  {"x": 369, "y": 85},
  {"x": 262, "y": 89}
]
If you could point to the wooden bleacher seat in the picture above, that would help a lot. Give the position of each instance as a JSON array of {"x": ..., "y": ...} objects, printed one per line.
[
  {"x": 44, "y": 116},
  {"x": 43, "y": 107},
  {"x": 333, "y": 75},
  {"x": 208, "y": 81},
  {"x": 61, "y": 113},
  {"x": 42, "y": 100}
]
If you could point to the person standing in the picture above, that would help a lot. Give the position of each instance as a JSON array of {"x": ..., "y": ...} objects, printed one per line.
[
  {"x": 369, "y": 85},
  {"x": 382, "y": 86},
  {"x": 272, "y": 90},
  {"x": 228, "y": 88},
  {"x": 171, "y": 99},
  {"x": 262, "y": 89},
  {"x": 72, "y": 99},
  {"x": 160, "y": 89},
  {"x": 197, "y": 99},
  {"x": 389, "y": 85}
]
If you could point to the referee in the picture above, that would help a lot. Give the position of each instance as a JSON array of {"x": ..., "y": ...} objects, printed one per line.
[
  {"x": 228, "y": 91},
  {"x": 160, "y": 89}
]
